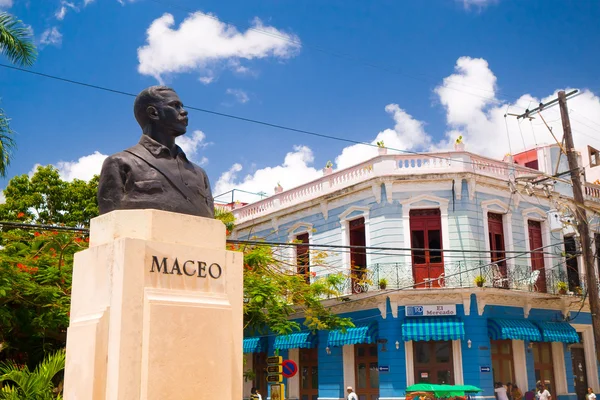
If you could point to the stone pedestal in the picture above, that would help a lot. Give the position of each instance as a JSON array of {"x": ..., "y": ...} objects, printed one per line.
[{"x": 156, "y": 311}]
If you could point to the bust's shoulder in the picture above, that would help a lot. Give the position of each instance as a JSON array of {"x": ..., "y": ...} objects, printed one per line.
[{"x": 122, "y": 157}]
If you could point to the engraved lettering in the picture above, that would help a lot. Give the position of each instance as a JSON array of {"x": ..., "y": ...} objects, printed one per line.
[
  {"x": 176, "y": 267},
  {"x": 217, "y": 273},
  {"x": 185, "y": 271},
  {"x": 163, "y": 264},
  {"x": 201, "y": 269}
]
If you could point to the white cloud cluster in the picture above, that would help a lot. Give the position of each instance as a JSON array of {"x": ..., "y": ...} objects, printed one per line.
[
  {"x": 239, "y": 95},
  {"x": 51, "y": 36},
  {"x": 479, "y": 4},
  {"x": 474, "y": 111},
  {"x": 85, "y": 168},
  {"x": 407, "y": 134},
  {"x": 5, "y": 4},
  {"x": 191, "y": 143},
  {"x": 203, "y": 43},
  {"x": 295, "y": 170},
  {"x": 64, "y": 7}
]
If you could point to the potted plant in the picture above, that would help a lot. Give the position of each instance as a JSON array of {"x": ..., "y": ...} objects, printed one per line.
[
  {"x": 562, "y": 287},
  {"x": 278, "y": 188},
  {"x": 578, "y": 290},
  {"x": 383, "y": 283},
  {"x": 381, "y": 148},
  {"x": 508, "y": 158},
  {"x": 479, "y": 280},
  {"x": 328, "y": 168},
  {"x": 459, "y": 145}
]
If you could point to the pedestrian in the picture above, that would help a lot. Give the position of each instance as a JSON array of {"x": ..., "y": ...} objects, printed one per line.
[
  {"x": 543, "y": 393},
  {"x": 590, "y": 394},
  {"x": 500, "y": 391},
  {"x": 509, "y": 388},
  {"x": 516, "y": 393},
  {"x": 351, "y": 394},
  {"x": 530, "y": 394},
  {"x": 255, "y": 394}
]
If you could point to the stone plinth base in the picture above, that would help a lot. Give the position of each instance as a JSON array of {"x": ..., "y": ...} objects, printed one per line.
[{"x": 156, "y": 311}]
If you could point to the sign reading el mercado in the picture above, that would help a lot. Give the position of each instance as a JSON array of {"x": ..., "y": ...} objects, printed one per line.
[
  {"x": 199, "y": 269},
  {"x": 430, "y": 311}
]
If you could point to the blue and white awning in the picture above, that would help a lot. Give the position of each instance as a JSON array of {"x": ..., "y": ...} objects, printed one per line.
[
  {"x": 558, "y": 332},
  {"x": 300, "y": 340},
  {"x": 364, "y": 333},
  {"x": 433, "y": 328},
  {"x": 518, "y": 329},
  {"x": 254, "y": 345}
]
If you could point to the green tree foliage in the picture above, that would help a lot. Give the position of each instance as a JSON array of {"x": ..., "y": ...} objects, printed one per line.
[
  {"x": 36, "y": 268},
  {"x": 20, "y": 383},
  {"x": 45, "y": 198},
  {"x": 16, "y": 43}
]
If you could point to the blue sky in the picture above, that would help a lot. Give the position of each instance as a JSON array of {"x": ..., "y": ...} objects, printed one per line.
[{"x": 414, "y": 73}]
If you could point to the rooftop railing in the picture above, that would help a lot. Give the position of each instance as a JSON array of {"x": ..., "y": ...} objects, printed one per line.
[{"x": 383, "y": 165}]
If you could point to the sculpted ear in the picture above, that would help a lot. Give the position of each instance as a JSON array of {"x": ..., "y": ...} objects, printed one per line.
[{"x": 152, "y": 113}]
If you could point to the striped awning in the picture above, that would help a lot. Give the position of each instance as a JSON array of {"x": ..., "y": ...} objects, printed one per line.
[
  {"x": 363, "y": 333},
  {"x": 558, "y": 332},
  {"x": 518, "y": 329},
  {"x": 433, "y": 328},
  {"x": 253, "y": 345},
  {"x": 300, "y": 340}
]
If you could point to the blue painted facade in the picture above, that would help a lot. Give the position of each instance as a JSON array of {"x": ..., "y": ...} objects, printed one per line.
[{"x": 463, "y": 201}]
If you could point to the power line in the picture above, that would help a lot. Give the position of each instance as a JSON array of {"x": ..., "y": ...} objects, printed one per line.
[{"x": 244, "y": 119}]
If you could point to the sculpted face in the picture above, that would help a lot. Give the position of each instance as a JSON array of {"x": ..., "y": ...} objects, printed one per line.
[{"x": 170, "y": 114}]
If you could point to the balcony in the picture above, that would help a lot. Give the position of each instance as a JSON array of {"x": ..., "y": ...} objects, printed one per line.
[
  {"x": 400, "y": 165},
  {"x": 592, "y": 192},
  {"x": 461, "y": 275}
]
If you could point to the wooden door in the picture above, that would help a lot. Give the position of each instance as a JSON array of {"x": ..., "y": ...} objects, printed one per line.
[
  {"x": 579, "y": 371},
  {"x": 503, "y": 369},
  {"x": 433, "y": 362},
  {"x": 367, "y": 371},
  {"x": 309, "y": 374},
  {"x": 497, "y": 249},
  {"x": 303, "y": 257},
  {"x": 426, "y": 240},
  {"x": 259, "y": 366},
  {"x": 542, "y": 364},
  {"x": 358, "y": 256},
  {"x": 537, "y": 255}
]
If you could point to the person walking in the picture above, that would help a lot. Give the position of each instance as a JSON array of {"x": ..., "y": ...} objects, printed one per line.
[
  {"x": 590, "y": 394},
  {"x": 255, "y": 395},
  {"x": 543, "y": 393},
  {"x": 351, "y": 394},
  {"x": 500, "y": 391},
  {"x": 516, "y": 393}
]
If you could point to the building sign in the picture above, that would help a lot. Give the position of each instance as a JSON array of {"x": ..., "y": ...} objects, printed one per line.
[
  {"x": 199, "y": 269},
  {"x": 485, "y": 369},
  {"x": 430, "y": 311},
  {"x": 384, "y": 368}
]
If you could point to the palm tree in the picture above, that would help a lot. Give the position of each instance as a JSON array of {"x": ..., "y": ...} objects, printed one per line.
[
  {"x": 17, "y": 45},
  {"x": 27, "y": 385}
]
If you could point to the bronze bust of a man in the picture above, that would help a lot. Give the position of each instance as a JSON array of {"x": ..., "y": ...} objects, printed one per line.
[{"x": 155, "y": 173}]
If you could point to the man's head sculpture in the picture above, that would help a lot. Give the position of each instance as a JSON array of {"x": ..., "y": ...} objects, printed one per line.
[
  {"x": 160, "y": 106},
  {"x": 155, "y": 173}
]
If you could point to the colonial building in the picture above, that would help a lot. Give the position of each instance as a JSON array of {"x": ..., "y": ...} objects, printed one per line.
[{"x": 458, "y": 269}]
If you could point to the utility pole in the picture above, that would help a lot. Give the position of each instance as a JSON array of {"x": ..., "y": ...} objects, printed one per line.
[{"x": 582, "y": 223}]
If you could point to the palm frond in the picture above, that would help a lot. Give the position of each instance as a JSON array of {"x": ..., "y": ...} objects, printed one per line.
[
  {"x": 16, "y": 40},
  {"x": 7, "y": 143}
]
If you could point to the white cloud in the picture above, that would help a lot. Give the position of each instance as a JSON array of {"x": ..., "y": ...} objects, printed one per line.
[
  {"x": 2, "y": 197},
  {"x": 239, "y": 95},
  {"x": 408, "y": 134},
  {"x": 85, "y": 168},
  {"x": 202, "y": 42},
  {"x": 474, "y": 111},
  {"x": 4, "y": 4},
  {"x": 206, "y": 79},
  {"x": 51, "y": 36},
  {"x": 295, "y": 170},
  {"x": 64, "y": 7},
  {"x": 191, "y": 143},
  {"x": 479, "y": 4}
]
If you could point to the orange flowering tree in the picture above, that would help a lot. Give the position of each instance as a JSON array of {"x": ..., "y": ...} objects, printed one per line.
[{"x": 35, "y": 289}]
